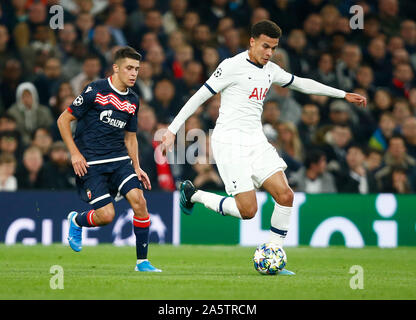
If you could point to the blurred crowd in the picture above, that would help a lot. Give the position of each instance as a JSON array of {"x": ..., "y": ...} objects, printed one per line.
[{"x": 329, "y": 145}]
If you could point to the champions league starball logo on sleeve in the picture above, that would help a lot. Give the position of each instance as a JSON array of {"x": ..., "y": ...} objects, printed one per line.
[
  {"x": 218, "y": 72},
  {"x": 78, "y": 101}
]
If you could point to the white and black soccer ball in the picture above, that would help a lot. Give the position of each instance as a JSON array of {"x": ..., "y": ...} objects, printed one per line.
[{"x": 269, "y": 259}]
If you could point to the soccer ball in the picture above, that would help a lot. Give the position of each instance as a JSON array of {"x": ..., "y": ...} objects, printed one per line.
[{"x": 269, "y": 259}]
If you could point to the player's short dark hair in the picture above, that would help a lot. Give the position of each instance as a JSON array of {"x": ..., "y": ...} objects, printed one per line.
[
  {"x": 266, "y": 27},
  {"x": 127, "y": 52}
]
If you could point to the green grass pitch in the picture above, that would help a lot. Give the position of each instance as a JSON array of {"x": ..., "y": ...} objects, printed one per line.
[{"x": 204, "y": 272}]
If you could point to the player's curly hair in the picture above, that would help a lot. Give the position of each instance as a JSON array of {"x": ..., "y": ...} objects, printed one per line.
[
  {"x": 127, "y": 52},
  {"x": 266, "y": 27}
]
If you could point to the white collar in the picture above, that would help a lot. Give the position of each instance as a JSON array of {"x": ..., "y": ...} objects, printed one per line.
[
  {"x": 247, "y": 56},
  {"x": 114, "y": 88}
]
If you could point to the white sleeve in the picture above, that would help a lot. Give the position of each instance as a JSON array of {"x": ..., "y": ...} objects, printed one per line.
[
  {"x": 199, "y": 97},
  {"x": 221, "y": 78},
  {"x": 280, "y": 76},
  {"x": 304, "y": 85},
  {"x": 310, "y": 86}
]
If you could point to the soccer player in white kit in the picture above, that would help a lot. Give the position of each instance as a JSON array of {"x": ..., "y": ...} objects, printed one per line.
[{"x": 245, "y": 159}]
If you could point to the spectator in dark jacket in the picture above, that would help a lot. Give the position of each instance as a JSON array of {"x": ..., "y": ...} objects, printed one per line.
[
  {"x": 47, "y": 82},
  {"x": 29, "y": 172},
  {"x": 376, "y": 57},
  {"x": 409, "y": 134},
  {"x": 58, "y": 174},
  {"x": 314, "y": 178},
  {"x": 403, "y": 80},
  {"x": 147, "y": 123},
  {"x": 308, "y": 124},
  {"x": 325, "y": 72},
  {"x": 338, "y": 139},
  {"x": 355, "y": 178},
  {"x": 164, "y": 101},
  {"x": 298, "y": 60},
  {"x": 396, "y": 156},
  {"x": 10, "y": 78}
]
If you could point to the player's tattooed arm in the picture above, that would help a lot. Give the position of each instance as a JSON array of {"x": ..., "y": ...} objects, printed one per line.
[
  {"x": 78, "y": 161},
  {"x": 130, "y": 139}
]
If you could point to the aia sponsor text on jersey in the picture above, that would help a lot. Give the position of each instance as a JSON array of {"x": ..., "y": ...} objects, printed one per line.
[{"x": 258, "y": 93}]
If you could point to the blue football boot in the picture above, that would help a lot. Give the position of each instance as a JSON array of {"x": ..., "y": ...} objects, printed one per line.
[
  {"x": 74, "y": 233},
  {"x": 187, "y": 190},
  {"x": 285, "y": 272},
  {"x": 146, "y": 266}
]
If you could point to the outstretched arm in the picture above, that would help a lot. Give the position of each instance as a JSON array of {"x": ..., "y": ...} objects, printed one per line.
[
  {"x": 310, "y": 86},
  {"x": 218, "y": 81},
  {"x": 202, "y": 95}
]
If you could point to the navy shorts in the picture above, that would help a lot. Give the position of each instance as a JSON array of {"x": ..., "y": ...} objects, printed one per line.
[{"x": 106, "y": 181}]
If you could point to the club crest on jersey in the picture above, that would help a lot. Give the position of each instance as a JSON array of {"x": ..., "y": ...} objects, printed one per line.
[
  {"x": 78, "y": 101},
  {"x": 89, "y": 194},
  {"x": 105, "y": 116},
  {"x": 258, "y": 94}
]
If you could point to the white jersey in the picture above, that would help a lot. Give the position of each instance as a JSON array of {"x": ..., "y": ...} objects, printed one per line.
[{"x": 243, "y": 86}]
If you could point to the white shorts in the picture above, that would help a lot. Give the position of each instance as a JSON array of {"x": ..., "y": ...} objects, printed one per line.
[{"x": 244, "y": 168}]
